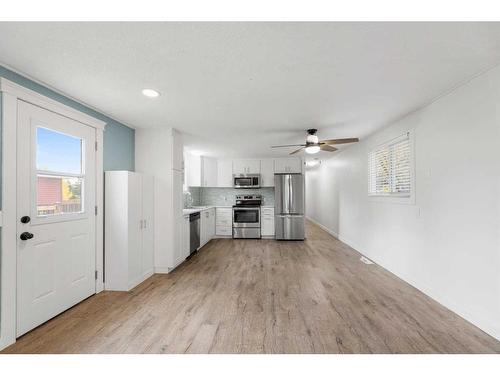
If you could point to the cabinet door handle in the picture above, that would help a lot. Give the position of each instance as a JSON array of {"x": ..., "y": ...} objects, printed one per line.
[
  {"x": 145, "y": 225},
  {"x": 140, "y": 224}
]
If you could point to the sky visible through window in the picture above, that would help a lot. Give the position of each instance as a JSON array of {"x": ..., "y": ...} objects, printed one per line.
[{"x": 58, "y": 152}]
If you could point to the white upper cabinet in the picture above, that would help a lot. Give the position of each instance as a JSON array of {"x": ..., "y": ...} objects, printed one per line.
[
  {"x": 288, "y": 165},
  {"x": 267, "y": 172},
  {"x": 246, "y": 166},
  {"x": 208, "y": 172},
  {"x": 224, "y": 173},
  {"x": 193, "y": 170},
  {"x": 200, "y": 171}
]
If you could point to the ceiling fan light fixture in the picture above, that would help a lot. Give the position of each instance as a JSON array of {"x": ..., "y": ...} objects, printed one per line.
[
  {"x": 311, "y": 138},
  {"x": 312, "y": 149}
]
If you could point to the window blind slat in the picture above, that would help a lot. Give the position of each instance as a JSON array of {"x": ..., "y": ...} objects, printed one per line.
[{"x": 390, "y": 169}]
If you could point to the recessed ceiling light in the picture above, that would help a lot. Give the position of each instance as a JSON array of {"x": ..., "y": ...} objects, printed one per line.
[{"x": 150, "y": 93}]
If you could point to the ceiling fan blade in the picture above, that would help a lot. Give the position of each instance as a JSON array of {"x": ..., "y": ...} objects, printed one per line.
[
  {"x": 294, "y": 152},
  {"x": 339, "y": 141},
  {"x": 288, "y": 146},
  {"x": 327, "y": 148}
]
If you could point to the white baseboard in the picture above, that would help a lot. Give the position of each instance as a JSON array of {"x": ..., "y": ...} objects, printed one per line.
[
  {"x": 162, "y": 269},
  {"x": 334, "y": 234},
  {"x": 140, "y": 279},
  {"x": 492, "y": 328}
]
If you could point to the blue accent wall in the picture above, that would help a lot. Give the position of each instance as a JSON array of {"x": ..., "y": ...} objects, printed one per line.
[{"x": 119, "y": 139}]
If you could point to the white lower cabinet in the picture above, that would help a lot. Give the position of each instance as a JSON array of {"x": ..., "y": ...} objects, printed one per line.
[
  {"x": 224, "y": 221},
  {"x": 267, "y": 221},
  {"x": 129, "y": 240},
  {"x": 212, "y": 224},
  {"x": 221, "y": 230},
  {"x": 207, "y": 226}
]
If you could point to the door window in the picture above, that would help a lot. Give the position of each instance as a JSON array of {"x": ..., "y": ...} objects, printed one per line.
[{"x": 59, "y": 173}]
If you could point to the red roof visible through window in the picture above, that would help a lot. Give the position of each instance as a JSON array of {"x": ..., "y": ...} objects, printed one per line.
[{"x": 49, "y": 191}]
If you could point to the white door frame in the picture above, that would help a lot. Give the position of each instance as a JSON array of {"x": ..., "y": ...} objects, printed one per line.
[{"x": 11, "y": 93}]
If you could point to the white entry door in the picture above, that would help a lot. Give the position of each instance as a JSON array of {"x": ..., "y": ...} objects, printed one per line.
[{"x": 56, "y": 214}]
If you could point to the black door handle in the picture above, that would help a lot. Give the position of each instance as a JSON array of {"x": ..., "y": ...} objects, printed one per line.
[
  {"x": 26, "y": 236},
  {"x": 25, "y": 219}
]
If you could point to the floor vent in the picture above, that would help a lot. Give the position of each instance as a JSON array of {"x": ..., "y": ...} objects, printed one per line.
[{"x": 365, "y": 260}]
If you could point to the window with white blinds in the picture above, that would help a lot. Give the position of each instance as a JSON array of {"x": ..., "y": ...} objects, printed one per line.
[{"x": 390, "y": 168}]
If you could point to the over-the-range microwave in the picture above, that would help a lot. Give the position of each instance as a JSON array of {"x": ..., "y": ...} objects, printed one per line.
[{"x": 246, "y": 181}]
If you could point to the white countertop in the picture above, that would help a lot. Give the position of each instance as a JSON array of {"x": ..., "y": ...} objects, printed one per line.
[{"x": 188, "y": 211}]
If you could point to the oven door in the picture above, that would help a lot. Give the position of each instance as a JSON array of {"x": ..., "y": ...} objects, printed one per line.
[{"x": 246, "y": 217}]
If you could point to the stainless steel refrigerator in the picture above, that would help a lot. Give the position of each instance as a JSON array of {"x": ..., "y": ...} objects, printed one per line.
[{"x": 289, "y": 200}]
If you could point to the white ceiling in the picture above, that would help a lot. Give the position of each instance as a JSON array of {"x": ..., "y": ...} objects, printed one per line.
[{"x": 235, "y": 89}]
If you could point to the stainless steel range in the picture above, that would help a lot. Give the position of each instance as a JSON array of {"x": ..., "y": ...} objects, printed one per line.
[{"x": 246, "y": 216}]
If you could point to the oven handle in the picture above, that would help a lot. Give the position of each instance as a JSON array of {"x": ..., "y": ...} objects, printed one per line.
[{"x": 246, "y": 208}]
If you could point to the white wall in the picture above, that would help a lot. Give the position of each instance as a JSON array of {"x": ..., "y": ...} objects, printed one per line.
[{"x": 447, "y": 243}]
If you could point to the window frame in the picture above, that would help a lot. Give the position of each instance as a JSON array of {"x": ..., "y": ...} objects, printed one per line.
[
  {"x": 399, "y": 198},
  {"x": 35, "y": 173}
]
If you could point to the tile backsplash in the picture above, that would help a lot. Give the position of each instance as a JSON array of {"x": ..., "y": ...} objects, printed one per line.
[{"x": 211, "y": 196}]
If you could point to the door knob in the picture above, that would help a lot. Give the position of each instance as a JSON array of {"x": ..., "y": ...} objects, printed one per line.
[
  {"x": 26, "y": 236},
  {"x": 25, "y": 219}
]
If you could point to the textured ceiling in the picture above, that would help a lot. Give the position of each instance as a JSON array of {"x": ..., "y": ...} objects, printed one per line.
[{"x": 235, "y": 89}]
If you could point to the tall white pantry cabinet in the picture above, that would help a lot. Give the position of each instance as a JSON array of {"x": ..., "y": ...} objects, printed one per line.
[
  {"x": 159, "y": 152},
  {"x": 129, "y": 229}
]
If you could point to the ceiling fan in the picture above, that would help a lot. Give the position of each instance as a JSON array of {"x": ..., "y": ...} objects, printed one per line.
[{"x": 314, "y": 145}]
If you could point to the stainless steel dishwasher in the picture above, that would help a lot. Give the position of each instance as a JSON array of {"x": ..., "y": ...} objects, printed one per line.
[{"x": 194, "y": 232}]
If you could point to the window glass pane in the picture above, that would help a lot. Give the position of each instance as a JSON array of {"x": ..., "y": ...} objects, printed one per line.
[
  {"x": 390, "y": 169},
  {"x": 58, "y": 195},
  {"x": 58, "y": 152}
]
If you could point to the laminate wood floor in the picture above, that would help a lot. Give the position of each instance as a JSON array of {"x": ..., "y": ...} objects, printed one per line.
[{"x": 251, "y": 296}]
